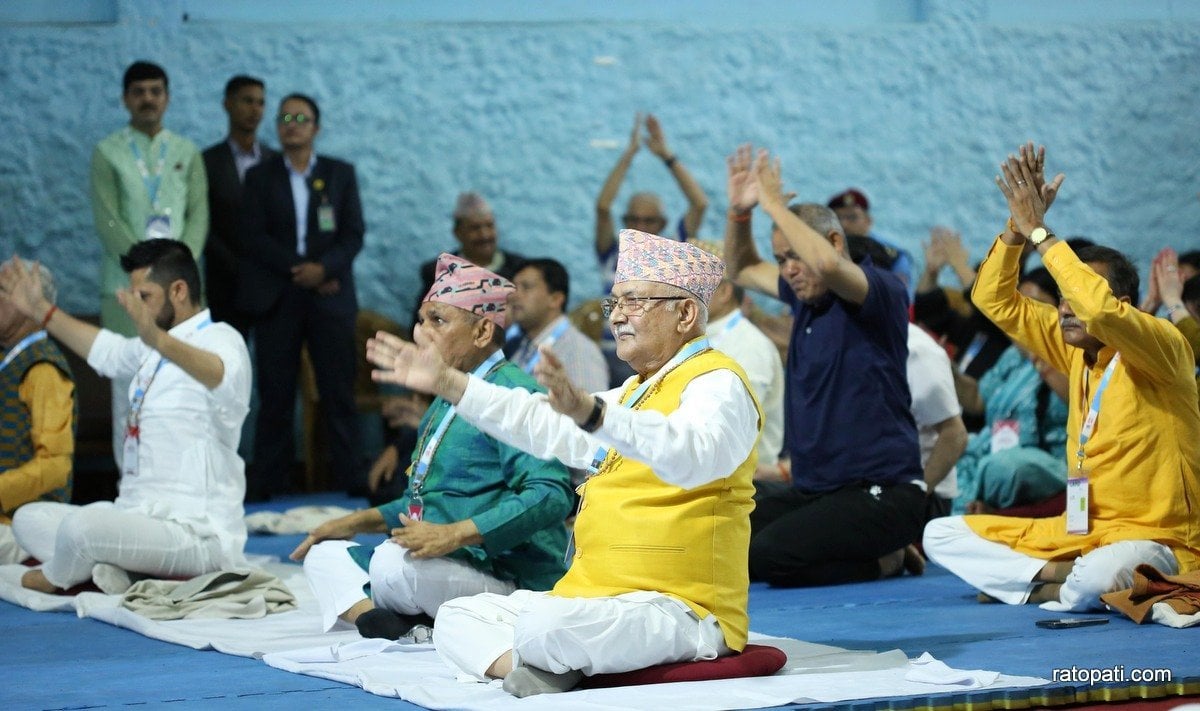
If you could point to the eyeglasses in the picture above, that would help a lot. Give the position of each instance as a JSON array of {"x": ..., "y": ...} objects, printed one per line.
[
  {"x": 299, "y": 119},
  {"x": 632, "y": 305}
]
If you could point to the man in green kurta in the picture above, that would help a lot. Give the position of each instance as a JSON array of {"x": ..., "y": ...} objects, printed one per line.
[
  {"x": 478, "y": 515},
  {"x": 146, "y": 183}
]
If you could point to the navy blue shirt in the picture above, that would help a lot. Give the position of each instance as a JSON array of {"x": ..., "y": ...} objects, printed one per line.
[{"x": 848, "y": 416}]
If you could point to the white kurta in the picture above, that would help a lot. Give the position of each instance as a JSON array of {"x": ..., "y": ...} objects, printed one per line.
[
  {"x": 188, "y": 469},
  {"x": 759, "y": 357},
  {"x": 934, "y": 399}
]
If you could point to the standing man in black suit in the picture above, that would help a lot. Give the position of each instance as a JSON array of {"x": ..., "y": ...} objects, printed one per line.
[
  {"x": 302, "y": 226},
  {"x": 226, "y": 164}
]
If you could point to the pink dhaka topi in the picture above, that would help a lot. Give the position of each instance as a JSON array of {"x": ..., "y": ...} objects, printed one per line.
[{"x": 470, "y": 287}]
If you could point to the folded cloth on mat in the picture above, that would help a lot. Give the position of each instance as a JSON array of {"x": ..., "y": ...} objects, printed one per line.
[
  {"x": 814, "y": 673},
  {"x": 298, "y": 628},
  {"x": 1180, "y": 594},
  {"x": 300, "y": 519},
  {"x": 225, "y": 594}
]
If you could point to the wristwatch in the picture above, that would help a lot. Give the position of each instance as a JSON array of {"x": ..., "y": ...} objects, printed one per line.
[{"x": 1039, "y": 235}]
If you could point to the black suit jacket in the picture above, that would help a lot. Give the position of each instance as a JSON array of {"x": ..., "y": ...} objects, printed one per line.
[
  {"x": 268, "y": 234},
  {"x": 222, "y": 250}
]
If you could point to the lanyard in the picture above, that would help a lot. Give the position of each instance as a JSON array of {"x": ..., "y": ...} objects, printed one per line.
[
  {"x": 1089, "y": 424},
  {"x": 972, "y": 350},
  {"x": 152, "y": 181},
  {"x": 697, "y": 346},
  {"x": 732, "y": 323},
  {"x": 421, "y": 469},
  {"x": 138, "y": 399},
  {"x": 549, "y": 340},
  {"x": 25, "y": 343}
]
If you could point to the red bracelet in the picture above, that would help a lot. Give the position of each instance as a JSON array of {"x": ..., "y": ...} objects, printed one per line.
[
  {"x": 739, "y": 217},
  {"x": 50, "y": 313}
]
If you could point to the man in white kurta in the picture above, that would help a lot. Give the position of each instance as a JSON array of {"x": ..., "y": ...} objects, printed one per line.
[
  {"x": 178, "y": 512},
  {"x": 660, "y": 570}
]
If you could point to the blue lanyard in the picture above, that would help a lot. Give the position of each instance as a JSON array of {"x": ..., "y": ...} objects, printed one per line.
[
  {"x": 972, "y": 350},
  {"x": 697, "y": 346},
  {"x": 549, "y": 340},
  {"x": 1089, "y": 424},
  {"x": 152, "y": 181},
  {"x": 431, "y": 443},
  {"x": 25, "y": 343},
  {"x": 139, "y": 393}
]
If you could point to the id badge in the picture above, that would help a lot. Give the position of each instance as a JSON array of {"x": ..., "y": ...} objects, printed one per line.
[
  {"x": 416, "y": 509},
  {"x": 325, "y": 221},
  {"x": 1077, "y": 504},
  {"x": 158, "y": 227},
  {"x": 1006, "y": 434},
  {"x": 129, "y": 454}
]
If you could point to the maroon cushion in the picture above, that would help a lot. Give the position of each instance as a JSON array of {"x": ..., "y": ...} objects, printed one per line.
[{"x": 755, "y": 660}]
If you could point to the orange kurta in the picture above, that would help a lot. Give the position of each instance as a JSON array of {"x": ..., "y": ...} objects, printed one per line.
[{"x": 1143, "y": 458}]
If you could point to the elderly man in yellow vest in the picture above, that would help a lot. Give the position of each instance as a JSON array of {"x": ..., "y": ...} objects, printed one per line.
[{"x": 659, "y": 572}]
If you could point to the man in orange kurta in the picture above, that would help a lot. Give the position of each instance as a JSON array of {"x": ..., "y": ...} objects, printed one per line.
[{"x": 1140, "y": 460}]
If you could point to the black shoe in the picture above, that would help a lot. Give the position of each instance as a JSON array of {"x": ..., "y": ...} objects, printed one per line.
[{"x": 385, "y": 624}]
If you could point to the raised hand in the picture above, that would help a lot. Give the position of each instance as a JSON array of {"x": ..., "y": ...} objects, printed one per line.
[
  {"x": 655, "y": 140},
  {"x": 742, "y": 187},
  {"x": 767, "y": 176},
  {"x": 399, "y": 362},
  {"x": 635, "y": 136},
  {"x": 1025, "y": 202},
  {"x": 1036, "y": 160},
  {"x": 1153, "y": 298},
  {"x": 935, "y": 250},
  {"x": 565, "y": 397},
  {"x": 144, "y": 320},
  {"x": 1166, "y": 271},
  {"x": 21, "y": 286}
]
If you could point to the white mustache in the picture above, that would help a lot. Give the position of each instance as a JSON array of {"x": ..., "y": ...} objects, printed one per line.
[
  {"x": 622, "y": 330},
  {"x": 1070, "y": 321}
]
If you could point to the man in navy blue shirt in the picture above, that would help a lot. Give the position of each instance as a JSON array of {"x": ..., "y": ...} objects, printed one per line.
[{"x": 856, "y": 501}]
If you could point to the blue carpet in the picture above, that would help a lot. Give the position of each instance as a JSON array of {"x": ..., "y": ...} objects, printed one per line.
[{"x": 56, "y": 661}]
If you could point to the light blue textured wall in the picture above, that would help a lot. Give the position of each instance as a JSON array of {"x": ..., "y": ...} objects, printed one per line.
[{"x": 915, "y": 107}]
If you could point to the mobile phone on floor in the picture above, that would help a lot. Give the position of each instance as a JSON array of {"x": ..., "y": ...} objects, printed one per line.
[{"x": 1068, "y": 622}]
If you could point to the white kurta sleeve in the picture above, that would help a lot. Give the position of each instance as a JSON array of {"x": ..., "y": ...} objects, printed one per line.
[
  {"x": 711, "y": 433},
  {"x": 114, "y": 356}
]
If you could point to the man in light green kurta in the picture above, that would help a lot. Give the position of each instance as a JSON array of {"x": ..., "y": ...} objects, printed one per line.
[{"x": 146, "y": 182}]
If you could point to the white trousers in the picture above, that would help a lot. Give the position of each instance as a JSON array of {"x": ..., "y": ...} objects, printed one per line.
[
  {"x": 1008, "y": 576},
  {"x": 69, "y": 540},
  {"x": 120, "y": 416},
  {"x": 600, "y": 635},
  {"x": 399, "y": 582},
  {"x": 10, "y": 552}
]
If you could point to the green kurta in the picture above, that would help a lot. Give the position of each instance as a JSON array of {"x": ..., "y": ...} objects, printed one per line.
[
  {"x": 517, "y": 501},
  {"x": 121, "y": 205}
]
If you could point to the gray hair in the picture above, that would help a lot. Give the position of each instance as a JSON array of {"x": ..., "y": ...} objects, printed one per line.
[
  {"x": 702, "y": 316},
  {"x": 821, "y": 219}
]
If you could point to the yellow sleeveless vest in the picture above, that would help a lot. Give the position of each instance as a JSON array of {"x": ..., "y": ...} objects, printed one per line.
[{"x": 635, "y": 532}]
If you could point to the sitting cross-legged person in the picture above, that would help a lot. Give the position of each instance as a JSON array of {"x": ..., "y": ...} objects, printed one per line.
[
  {"x": 1017, "y": 458},
  {"x": 1133, "y": 432},
  {"x": 37, "y": 416},
  {"x": 178, "y": 511},
  {"x": 477, "y": 516},
  {"x": 659, "y": 572}
]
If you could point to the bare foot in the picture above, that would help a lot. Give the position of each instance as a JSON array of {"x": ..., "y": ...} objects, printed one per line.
[
  {"x": 986, "y": 599},
  {"x": 36, "y": 580},
  {"x": 978, "y": 507},
  {"x": 914, "y": 562},
  {"x": 1046, "y": 592},
  {"x": 1055, "y": 571},
  {"x": 891, "y": 564}
]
